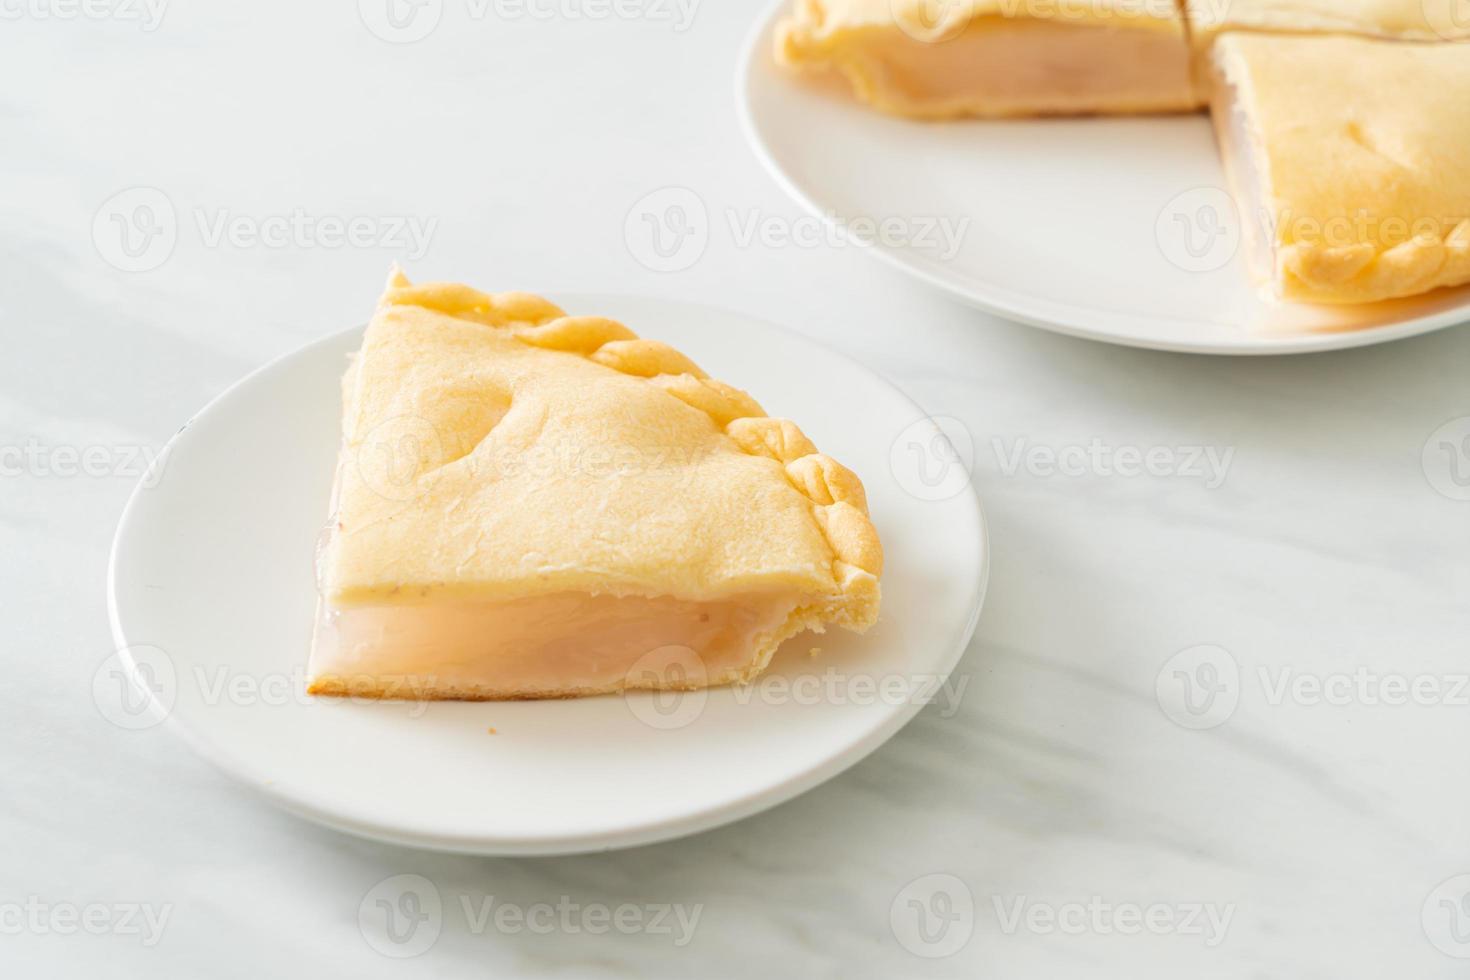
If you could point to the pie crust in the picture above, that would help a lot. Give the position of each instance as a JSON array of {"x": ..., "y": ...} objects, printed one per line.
[
  {"x": 1357, "y": 182},
  {"x": 1399, "y": 20},
  {"x": 530, "y": 504}
]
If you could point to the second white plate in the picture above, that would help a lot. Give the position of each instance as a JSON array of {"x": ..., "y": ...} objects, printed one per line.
[
  {"x": 1119, "y": 230},
  {"x": 212, "y": 598}
]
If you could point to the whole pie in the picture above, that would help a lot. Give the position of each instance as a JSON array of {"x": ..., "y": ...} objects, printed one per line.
[
  {"x": 1357, "y": 182},
  {"x": 998, "y": 57},
  {"x": 530, "y": 504}
]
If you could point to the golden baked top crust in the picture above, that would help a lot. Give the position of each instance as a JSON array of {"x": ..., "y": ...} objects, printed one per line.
[
  {"x": 1404, "y": 20},
  {"x": 1365, "y": 172},
  {"x": 494, "y": 446},
  {"x": 816, "y": 22}
]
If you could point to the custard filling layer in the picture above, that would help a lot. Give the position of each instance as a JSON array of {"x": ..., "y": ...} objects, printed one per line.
[
  {"x": 564, "y": 643},
  {"x": 1000, "y": 66}
]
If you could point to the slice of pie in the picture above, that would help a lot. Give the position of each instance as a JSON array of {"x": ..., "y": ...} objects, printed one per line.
[
  {"x": 1351, "y": 159},
  {"x": 998, "y": 57},
  {"x": 1399, "y": 20},
  {"x": 535, "y": 505}
]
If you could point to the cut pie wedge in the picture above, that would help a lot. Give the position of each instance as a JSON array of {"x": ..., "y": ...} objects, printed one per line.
[
  {"x": 1348, "y": 155},
  {"x": 535, "y": 505},
  {"x": 998, "y": 58}
]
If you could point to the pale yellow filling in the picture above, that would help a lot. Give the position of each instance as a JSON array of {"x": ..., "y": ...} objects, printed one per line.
[
  {"x": 554, "y": 645},
  {"x": 1007, "y": 67}
]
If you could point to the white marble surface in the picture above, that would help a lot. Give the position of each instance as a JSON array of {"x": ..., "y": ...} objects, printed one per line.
[{"x": 1321, "y": 830}]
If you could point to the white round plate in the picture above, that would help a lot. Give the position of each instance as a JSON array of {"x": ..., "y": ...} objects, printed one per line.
[
  {"x": 1119, "y": 230},
  {"x": 212, "y": 598}
]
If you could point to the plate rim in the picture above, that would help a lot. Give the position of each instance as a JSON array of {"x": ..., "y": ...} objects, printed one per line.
[
  {"x": 1030, "y": 310},
  {"x": 745, "y": 805}
]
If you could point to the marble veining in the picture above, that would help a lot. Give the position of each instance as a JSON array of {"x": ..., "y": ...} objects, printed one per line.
[{"x": 1177, "y": 754}]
